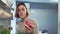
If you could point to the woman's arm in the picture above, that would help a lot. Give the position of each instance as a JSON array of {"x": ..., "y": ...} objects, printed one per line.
[{"x": 33, "y": 29}]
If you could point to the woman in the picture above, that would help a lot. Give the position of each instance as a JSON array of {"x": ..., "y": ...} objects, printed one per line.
[{"x": 26, "y": 25}]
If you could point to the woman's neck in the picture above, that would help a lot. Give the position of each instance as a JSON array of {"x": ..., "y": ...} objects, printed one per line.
[{"x": 25, "y": 19}]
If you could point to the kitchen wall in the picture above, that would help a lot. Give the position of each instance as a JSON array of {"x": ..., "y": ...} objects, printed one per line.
[
  {"x": 46, "y": 19},
  {"x": 46, "y": 15}
]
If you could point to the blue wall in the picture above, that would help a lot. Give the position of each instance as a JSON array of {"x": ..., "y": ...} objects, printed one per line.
[
  {"x": 46, "y": 18},
  {"x": 46, "y": 15}
]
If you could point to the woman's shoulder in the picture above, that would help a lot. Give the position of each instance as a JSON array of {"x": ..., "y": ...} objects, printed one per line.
[{"x": 34, "y": 21}]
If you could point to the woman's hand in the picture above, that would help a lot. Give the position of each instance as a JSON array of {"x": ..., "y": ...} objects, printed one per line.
[{"x": 29, "y": 27}]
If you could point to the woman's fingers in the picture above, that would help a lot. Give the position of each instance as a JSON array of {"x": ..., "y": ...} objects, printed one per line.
[
  {"x": 27, "y": 27},
  {"x": 32, "y": 25},
  {"x": 29, "y": 31}
]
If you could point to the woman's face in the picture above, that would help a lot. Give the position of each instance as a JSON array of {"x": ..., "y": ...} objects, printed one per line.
[{"x": 21, "y": 11}]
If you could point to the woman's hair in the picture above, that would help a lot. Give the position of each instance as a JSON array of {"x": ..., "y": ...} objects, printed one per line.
[{"x": 27, "y": 14}]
